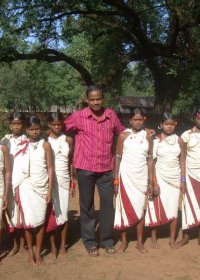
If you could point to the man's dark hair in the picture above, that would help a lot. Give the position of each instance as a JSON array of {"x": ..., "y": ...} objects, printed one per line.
[{"x": 94, "y": 88}]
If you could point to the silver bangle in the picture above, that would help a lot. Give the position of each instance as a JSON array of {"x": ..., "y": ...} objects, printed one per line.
[{"x": 118, "y": 156}]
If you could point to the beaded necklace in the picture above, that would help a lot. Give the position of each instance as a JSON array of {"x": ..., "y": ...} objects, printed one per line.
[
  {"x": 196, "y": 133},
  {"x": 34, "y": 145},
  {"x": 171, "y": 139}
]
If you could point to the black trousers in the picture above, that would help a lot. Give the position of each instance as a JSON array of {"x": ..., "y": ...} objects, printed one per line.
[{"x": 104, "y": 181}]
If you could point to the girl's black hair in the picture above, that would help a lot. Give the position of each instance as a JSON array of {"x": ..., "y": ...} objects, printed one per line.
[
  {"x": 196, "y": 112},
  {"x": 136, "y": 111},
  {"x": 167, "y": 116},
  {"x": 32, "y": 121},
  {"x": 55, "y": 116},
  {"x": 17, "y": 115}
]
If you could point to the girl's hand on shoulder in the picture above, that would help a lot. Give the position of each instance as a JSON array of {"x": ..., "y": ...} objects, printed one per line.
[{"x": 151, "y": 131}]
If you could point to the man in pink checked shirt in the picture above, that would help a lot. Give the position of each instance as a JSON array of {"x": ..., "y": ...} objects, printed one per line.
[{"x": 95, "y": 128}]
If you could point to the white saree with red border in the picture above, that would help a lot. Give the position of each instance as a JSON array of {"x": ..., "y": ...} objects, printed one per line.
[{"x": 133, "y": 175}]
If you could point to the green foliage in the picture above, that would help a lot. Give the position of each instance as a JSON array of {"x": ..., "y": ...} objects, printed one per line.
[
  {"x": 22, "y": 86},
  {"x": 130, "y": 47},
  {"x": 4, "y": 129},
  {"x": 35, "y": 85},
  {"x": 189, "y": 98},
  {"x": 65, "y": 86},
  {"x": 138, "y": 81}
]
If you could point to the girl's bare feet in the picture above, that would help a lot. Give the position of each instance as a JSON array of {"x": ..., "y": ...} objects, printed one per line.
[
  {"x": 173, "y": 245},
  {"x": 22, "y": 250},
  {"x": 63, "y": 251},
  {"x": 123, "y": 246},
  {"x": 38, "y": 260},
  {"x": 184, "y": 241},
  {"x": 14, "y": 251},
  {"x": 141, "y": 248},
  {"x": 198, "y": 238},
  {"x": 154, "y": 244},
  {"x": 31, "y": 259},
  {"x": 54, "y": 253}
]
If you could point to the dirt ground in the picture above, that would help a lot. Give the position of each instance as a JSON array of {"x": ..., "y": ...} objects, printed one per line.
[{"x": 182, "y": 264}]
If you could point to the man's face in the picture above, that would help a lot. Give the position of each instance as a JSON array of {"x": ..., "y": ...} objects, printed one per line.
[{"x": 95, "y": 100}]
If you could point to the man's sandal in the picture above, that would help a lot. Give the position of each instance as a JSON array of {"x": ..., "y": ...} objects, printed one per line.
[
  {"x": 93, "y": 252},
  {"x": 110, "y": 250}
]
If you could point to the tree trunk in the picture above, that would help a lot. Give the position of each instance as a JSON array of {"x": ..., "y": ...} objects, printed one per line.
[{"x": 166, "y": 85}]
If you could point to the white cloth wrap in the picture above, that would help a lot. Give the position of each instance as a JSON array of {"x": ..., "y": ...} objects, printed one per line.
[
  {"x": 13, "y": 145},
  {"x": 134, "y": 175},
  {"x": 167, "y": 168},
  {"x": 192, "y": 138},
  {"x": 34, "y": 187},
  {"x": 190, "y": 201},
  {"x": 60, "y": 194},
  {"x": 167, "y": 153}
]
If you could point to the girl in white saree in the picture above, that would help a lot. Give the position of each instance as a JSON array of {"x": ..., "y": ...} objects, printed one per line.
[
  {"x": 12, "y": 141},
  {"x": 133, "y": 178},
  {"x": 5, "y": 180},
  {"x": 32, "y": 182},
  {"x": 169, "y": 180},
  {"x": 63, "y": 183},
  {"x": 191, "y": 199}
]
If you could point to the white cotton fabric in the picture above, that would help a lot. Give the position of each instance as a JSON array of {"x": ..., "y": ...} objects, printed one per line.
[
  {"x": 192, "y": 139},
  {"x": 167, "y": 153},
  {"x": 33, "y": 189},
  {"x": 13, "y": 145},
  {"x": 167, "y": 168},
  {"x": 60, "y": 194},
  {"x": 134, "y": 175}
]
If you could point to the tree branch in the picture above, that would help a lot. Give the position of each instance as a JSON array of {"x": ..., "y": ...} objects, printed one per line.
[
  {"x": 50, "y": 55},
  {"x": 81, "y": 12}
]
